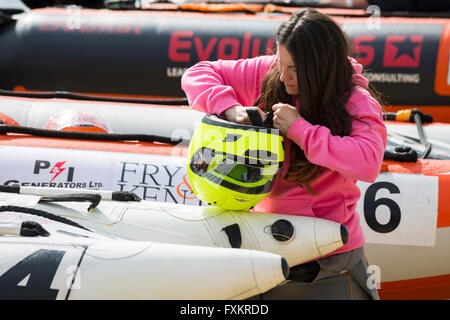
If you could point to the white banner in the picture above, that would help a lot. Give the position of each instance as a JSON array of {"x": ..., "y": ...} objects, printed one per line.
[{"x": 151, "y": 177}]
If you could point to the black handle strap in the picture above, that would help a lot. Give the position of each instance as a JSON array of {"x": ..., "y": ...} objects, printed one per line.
[
  {"x": 234, "y": 235},
  {"x": 125, "y": 196},
  {"x": 41, "y": 213},
  {"x": 33, "y": 229},
  {"x": 79, "y": 96},
  {"x": 93, "y": 198},
  {"x": 88, "y": 135},
  {"x": 401, "y": 154}
]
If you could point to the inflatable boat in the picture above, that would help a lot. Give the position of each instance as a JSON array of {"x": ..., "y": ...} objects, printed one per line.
[
  {"x": 45, "y": 258},
  {"x": 298, "y": 239},
  {"x": 141, "y": 49},
  {"x": 405, "y": 213}
]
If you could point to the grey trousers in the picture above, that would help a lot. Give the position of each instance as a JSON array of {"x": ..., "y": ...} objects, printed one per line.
[{"x": 341, "y": 277}]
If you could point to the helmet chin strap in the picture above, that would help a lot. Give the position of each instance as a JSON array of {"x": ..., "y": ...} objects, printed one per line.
[
  {"x": 255, "y": 116},
  {"x": 257, "y": 120}
]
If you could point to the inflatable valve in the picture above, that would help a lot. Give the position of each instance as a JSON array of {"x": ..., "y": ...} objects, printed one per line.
[
  {"x": 282, "y": 230},
  {"x": 77, "y": 120}
]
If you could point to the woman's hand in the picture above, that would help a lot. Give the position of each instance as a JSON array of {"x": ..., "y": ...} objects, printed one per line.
[
  {"x": 284, "y": 116},
  {"x": 239, "y": 114}
]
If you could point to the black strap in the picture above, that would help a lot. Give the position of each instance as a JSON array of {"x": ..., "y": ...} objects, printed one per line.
[
  {"x": 268, "y": 122},
  {"x": 401, "y": 154},
  {"x": 93, "y": 198},
  {"x": 255, "y": 116},
  {"x": 88, "y": 135},
  {"x": 41, "y": 213},
  {"x": 125, "y": 196},
  {"x": 33, "y": 229},
  {"x": 389, "y": 116},
  {"x": 10, "y": 189},
  {"x": 234, "y": 235},
  {"x": 88, "y": 97}
]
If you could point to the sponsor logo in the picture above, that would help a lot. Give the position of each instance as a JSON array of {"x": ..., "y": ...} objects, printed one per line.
[
  {"x": 56, "y": 170},
  {"x": 402, "y": 51},
  {"x": 157, "y": 182},
  {"x": 399, "y": 51},
  {"x": 184, "y": 46},
  {"x": 387, "y": 77},
  {"x": 54, "y": 175}
]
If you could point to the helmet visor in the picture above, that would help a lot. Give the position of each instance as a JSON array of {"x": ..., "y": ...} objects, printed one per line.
[
  {"x": 243, "y": 172},
  {"x": 231, "y": 174}
]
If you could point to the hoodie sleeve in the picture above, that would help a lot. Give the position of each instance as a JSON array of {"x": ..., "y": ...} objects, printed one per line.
[
  {"x": 358, "y": 156},
  {"x": 213, "y": 87}
]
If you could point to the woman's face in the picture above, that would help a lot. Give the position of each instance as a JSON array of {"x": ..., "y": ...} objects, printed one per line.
[{"x": 286, "y": 66}]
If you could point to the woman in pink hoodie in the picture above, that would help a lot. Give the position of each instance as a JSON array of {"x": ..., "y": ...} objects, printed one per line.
[{"x": 334, "y": 136}]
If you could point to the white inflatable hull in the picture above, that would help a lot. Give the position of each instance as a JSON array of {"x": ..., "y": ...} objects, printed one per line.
[
  {"x": 73, "y": 263},
  {"x": 119, "y": 117},
  {"x": 152, "y": 119},
  {"x": 311, "y": 238}
]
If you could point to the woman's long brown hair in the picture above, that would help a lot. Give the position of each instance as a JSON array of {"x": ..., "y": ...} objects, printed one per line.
[{"x": 320, "y": 51}]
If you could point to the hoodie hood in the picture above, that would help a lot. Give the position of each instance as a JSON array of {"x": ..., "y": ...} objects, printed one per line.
[{"x": 357, "y": 77}]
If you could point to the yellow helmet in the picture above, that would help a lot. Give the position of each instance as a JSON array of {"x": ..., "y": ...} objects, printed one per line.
[{"x": 232, "y": 166}]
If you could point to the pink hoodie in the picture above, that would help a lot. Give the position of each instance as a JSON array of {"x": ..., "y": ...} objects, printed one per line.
[{"x": 213, "y": 87}]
